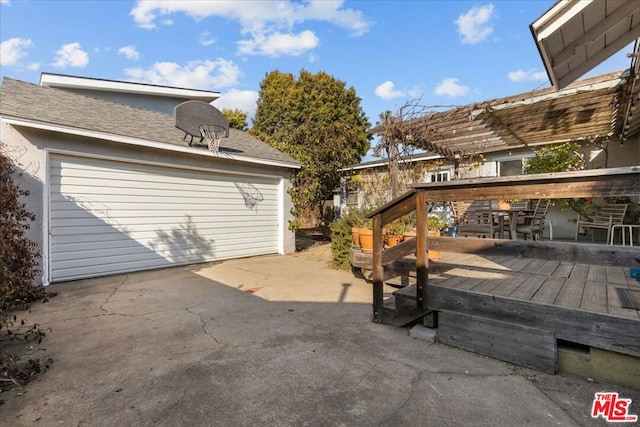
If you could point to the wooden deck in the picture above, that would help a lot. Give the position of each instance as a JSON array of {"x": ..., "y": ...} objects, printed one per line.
[
  {"x": 526, "y": 296},
  {"x": 493, "y": 300},
  {"x": 574, "y": 302},
  {"x": 583, "y": 287}
]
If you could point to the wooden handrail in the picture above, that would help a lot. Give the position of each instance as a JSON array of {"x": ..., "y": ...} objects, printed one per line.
[{"x": 391, "y": 211}]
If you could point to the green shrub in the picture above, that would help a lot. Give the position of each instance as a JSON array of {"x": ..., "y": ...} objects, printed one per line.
[
  {"x": 341, "y": 237},
  {"x": 341, "y": 241}
]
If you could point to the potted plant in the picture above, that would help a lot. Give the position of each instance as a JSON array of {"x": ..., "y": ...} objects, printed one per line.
[
  {"x": 395, "y": 230},
  {"x": 356, "y": 218},
  {"x": 366, "y": 236},
  {"x": 435, "y": 226}
]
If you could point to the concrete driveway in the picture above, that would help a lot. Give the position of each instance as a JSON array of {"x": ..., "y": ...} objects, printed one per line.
[{"x": 278, "y": 340}]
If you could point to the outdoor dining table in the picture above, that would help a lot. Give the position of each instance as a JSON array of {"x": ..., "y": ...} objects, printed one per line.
[{"x": 512, "y": 214}]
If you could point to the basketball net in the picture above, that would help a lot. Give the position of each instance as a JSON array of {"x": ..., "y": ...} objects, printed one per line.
[{"x": 212, "y": 134}]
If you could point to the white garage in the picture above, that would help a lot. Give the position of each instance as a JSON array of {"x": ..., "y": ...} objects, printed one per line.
[
  {"x": 119, "y": 188},
  {"x": 109, "y": 217}
]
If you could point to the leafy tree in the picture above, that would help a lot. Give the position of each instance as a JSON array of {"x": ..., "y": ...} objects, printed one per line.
[
  {"x": 556, "y": 158},
  {"x": 561, "y": 158},
  {"x": 237, "y": 118},
  {"x": 318, "y": 121}
]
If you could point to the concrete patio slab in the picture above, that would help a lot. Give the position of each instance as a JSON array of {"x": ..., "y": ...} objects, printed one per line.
[{"x": 276, "y": 340}]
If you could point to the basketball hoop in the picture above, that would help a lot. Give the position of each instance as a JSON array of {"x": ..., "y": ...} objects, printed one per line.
[{"x": 213, "y": 134}]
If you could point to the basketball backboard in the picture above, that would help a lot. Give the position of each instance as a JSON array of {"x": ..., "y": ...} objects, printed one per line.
[{"x": 194, "y": 116}]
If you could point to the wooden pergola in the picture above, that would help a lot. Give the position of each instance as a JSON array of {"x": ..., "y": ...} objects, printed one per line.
[{"x": 597, "y": 108}]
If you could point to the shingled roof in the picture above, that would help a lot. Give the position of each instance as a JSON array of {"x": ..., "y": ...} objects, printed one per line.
[{"x": 22, "y": 100}]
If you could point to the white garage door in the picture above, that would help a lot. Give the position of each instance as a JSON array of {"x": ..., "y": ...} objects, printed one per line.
[{"x": 109, "y": 217}]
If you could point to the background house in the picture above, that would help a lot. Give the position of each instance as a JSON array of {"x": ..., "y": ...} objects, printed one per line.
[{"x": 117, "y": 188}]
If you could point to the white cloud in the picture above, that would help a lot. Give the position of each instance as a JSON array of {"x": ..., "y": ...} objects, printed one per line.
[
  {"x": 206, "y": 39},
  {"x": 475, "y": 26},
  {"x": 268, "y": 24},
  {"x": 243, "y": 100},
  {"x": 6, "y": 2},
  {"x": 34, "y": 66},
  {"x": 209, "y": 75},
  {"x": 286, "y": 12},
  {"x": 12, "y": 50},
  {"x": 529, "y": 75},
  {"x": 277, "y": 44},
  {"x": 385, "y": 91},
  {"x": 71, "y": 55},
  {"x": 130, "y": 52},
  {"x": 450, "y": 87}
]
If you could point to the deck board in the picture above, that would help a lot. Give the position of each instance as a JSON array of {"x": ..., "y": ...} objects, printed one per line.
[
  {"x": 571, "y": 293},
  {"x": 563, "y": 270},
  {"x": 528, "y": 288},
  {"x": 548, "y": 292},
  {"x": 594, "y": 297},
  {"x": 548, "y": 268},
  {"x": 616, "y": 275}
]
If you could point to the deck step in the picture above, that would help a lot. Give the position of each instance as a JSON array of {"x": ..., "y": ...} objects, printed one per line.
[
  {"x": 401, "y": 281},
  {"x": 407, "y": 293},
  {"x": 403, "y": 317}
]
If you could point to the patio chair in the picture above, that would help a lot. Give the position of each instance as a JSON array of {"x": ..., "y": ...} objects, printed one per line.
[
  {"x": 605, "y": 218},
  {"x": 475, "y": 218},
  {"x": 533, "y": 225}
]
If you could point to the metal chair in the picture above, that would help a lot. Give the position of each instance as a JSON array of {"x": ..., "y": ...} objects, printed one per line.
[{"x": 605, "y": 218}]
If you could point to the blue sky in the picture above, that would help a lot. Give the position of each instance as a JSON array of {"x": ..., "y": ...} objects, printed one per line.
[{"x": 444, "y": 52}]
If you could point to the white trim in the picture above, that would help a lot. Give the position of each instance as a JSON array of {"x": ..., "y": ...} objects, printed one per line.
[
  {"x": 86, "y": 83},
  {"x": 145, "y": 143},
  {"x": 558, "y": 16},
  {"x": 46, "y": 214},
  {"x": 384, "y": 162},
  {"x": 282, "y": 226}
]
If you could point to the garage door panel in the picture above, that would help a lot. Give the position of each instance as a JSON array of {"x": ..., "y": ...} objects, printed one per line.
[
  {"x": 174, "y": 221},
  {"x": 82, "y": 183},
  {"x": 72, "y": 172},
  {"x": 175, "y": 213},
  {"x": 196, "y": 192},
  {"x": 111, "y": 217}
]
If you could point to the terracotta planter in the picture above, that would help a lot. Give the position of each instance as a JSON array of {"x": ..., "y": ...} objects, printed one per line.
[
  {"x": 355, "y": 232},
  {"x": 432, "y": 254},
  {"x": 504, "y": 205},
  {"x": 393, "y": 240},
  {"x": 366, "y": 240},
  {"x": 409, "y": 235}
]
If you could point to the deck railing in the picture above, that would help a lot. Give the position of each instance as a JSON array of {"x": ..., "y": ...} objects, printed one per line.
[{"x": 592, "y": 183}]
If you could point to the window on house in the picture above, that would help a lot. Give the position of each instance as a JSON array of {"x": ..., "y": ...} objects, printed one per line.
[
  {"x": 440, "y": 176},
  {"x": 510, "y": 167},
  {"x": 352, "y": 198}
]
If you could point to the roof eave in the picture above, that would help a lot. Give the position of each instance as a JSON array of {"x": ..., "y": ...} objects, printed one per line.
[
  {"x": 143, "y": 142},
  {"x": 62, "y": 81}
]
